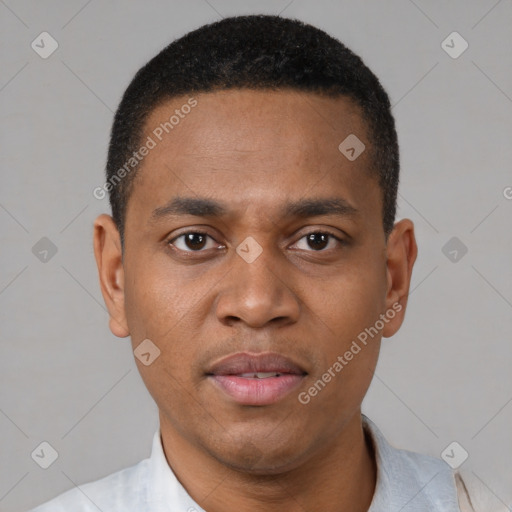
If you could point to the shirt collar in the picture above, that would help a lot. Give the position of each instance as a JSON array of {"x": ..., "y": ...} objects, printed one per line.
[{"x": 163, "y": 487}]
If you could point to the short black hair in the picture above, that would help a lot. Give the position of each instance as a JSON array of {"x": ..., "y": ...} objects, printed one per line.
[{"x": 253, "y": 52}]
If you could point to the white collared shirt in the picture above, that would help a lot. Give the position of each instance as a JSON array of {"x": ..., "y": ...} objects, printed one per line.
[{"x": 406, "y": 482}]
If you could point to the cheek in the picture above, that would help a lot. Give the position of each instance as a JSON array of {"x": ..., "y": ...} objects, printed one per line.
[
  {"x": 155, "y": 299},
  {"x": 157, "y": 309},
  {"x": 352, "y": 302},
  {"x": 349, "y": 308},
  {"x": 168, "y": 309}
]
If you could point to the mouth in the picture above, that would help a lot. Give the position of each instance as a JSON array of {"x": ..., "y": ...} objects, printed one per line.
[{"x": 256, "y": 379}]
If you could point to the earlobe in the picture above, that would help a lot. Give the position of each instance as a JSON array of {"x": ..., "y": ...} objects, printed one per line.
[
  {"x": 108, "y": 254},
  {"x": 401, "y": 254}
]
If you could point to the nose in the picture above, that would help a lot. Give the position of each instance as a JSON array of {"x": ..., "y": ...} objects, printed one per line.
[{"x": 257, "y": 294}]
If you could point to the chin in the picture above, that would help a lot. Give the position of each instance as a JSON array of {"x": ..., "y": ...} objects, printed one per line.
[{"x": 262, "y": 458}]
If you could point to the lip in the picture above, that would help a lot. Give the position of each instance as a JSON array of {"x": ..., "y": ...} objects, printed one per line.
[{"x": 232, "y": 376}]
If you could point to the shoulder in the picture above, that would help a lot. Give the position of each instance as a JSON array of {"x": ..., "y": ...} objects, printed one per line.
[
  {"x": 432, "y": 479},
  {"x": 475, "y": 496},
  {"x": 112, "y": 493},
  {"x": 410, "y": 481}
]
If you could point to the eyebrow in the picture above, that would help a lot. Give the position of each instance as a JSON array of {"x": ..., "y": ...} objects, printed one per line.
[
  {"x": 315, "y": 207},
  {"x": 203, "y": 207},
  {"x": 199, "y": 207}
]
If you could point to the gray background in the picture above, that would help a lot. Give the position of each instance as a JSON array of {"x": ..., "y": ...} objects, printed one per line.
[{"x": 67, "y": 380}]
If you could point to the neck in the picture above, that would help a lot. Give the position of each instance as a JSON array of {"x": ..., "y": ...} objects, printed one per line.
[{"x": 341, "y": 476}]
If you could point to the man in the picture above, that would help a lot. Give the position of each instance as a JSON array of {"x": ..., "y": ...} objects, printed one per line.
[{"x": 254, "y": 260}]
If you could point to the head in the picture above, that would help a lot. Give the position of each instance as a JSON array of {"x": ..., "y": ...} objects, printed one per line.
[{"x": 258, "y": 219}]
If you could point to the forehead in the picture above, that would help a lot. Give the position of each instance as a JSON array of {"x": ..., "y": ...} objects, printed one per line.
[
  {"x": 254, "y": 120},
  {"x": 250, "y": 145}
]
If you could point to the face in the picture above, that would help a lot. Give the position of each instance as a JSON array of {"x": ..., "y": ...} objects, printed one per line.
[{"x": 260, "y": 278}]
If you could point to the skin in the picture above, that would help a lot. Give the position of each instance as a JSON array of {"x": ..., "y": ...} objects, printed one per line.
[{"x": 254, "y": 151}]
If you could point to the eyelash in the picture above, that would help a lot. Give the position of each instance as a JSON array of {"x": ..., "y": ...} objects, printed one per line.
[{"x": 171, "y": 241}]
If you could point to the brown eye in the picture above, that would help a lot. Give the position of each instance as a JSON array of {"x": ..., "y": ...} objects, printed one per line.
[
  {"x": 195, "y": 241},
  {"x": 191, "y": 242},
  {"x": 318, "y": 241}
]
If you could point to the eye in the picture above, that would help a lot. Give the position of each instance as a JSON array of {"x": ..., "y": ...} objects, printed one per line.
[
  {"x": 318, "y": 241},
  {"x": 192, "y": 241}
]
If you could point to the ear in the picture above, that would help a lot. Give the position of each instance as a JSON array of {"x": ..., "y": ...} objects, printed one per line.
[
  {"x": 401, "y": 252},
  {"x": 109, "y": 259}
]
